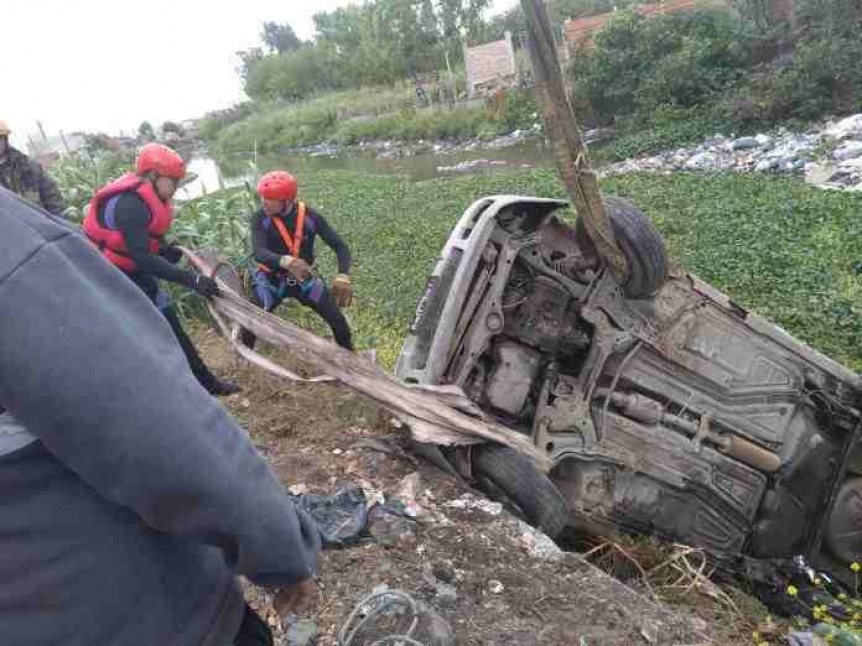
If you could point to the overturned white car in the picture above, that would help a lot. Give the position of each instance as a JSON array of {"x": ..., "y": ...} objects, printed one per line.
[{"x": 665, "y": 407}]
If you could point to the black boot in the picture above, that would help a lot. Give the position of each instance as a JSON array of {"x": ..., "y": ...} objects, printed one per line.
[
  {"x": 212, "y": 384},
  {"x": 247, "y": 338},
  {"x": 222, "y": 387}
]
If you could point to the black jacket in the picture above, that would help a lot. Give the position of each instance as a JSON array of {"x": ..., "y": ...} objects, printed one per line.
[
  {"x": 27, "y": 178},
  {"x": 268, "y": 245}
]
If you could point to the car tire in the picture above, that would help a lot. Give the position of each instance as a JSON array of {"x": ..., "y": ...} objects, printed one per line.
[
  {"x": 518, "y": 479},
  {"x": 843, "y": 535},
  {"x": 641, "y": 244}
]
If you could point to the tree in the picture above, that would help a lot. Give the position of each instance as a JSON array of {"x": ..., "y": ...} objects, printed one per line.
[
  {"x": 170, "y": 126},
  {"x": 146, "y": 132},
  {"x": 247, "y": 60},
  {"x": 429, "y": 32},
  {"x": 460, "y": 19},
  {"x": 95, "y": 143},
  {"x": 280, "y": 39}
]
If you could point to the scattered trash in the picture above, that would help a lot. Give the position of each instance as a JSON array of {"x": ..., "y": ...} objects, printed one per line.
[
  {"x": 390, "y": 525},
  {"x": 538, "y": 544},
  {"x": 785, "y": 152},
  {"x": 300, "y": 632},
  {"x": 298, "y": 489},
  {"x": 464, "y": 166},
  {"x": 388, "y": 616},
  {"x": 372, "y": 496},
  {"x": 337, "y": 451},
  {"x": 341, "y": 518},
  {"x": 495, "y": 587},
  {"x": 469, "y": 501},
  {"x": 407, "y": 492}
]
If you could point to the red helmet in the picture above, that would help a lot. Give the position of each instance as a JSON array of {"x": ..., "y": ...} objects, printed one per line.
[
  {"x": 161, "y": 159},
  {"x": 277, "y": 185}
]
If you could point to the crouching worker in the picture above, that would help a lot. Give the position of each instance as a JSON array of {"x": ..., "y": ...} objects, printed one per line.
[
  {"x": 283, "y": 233},
  {"x": 128, "y": 220}
]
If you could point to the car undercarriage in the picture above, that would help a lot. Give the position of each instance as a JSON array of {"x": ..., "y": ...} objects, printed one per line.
[{"x": 665, "y": 407}]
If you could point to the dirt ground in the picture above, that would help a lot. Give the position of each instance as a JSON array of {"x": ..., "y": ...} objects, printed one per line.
[{"x": 503, "y": 594}]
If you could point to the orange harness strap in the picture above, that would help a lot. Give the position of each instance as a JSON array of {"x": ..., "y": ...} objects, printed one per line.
[{"x": 293, "y": 244}]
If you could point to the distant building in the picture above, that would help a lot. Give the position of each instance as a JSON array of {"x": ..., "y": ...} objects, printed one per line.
[
  {"x": 190, "y": 126},
  {"x": 490, "y": 65}
]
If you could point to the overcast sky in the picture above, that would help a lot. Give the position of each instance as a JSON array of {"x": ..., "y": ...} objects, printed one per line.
[{"x": 106, "y": 66}]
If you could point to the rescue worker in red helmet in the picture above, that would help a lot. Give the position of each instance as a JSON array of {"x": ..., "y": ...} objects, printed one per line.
[
  {"x": 128, "y": 220},
  {"x": 283, "y": 233}
]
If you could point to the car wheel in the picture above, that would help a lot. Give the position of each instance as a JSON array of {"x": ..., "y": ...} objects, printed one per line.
[
  {"x": 843, "y": 535},
  {"x": 518, "y": 479},
  {"x": 641, "y": 244}
]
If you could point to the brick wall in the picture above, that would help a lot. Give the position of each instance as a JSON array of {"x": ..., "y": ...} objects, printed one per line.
[
  {"x": 488, "y": 62},
  {"x": 580, "y": 32}
]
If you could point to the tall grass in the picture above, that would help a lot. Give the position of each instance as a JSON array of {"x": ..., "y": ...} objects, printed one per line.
[{"x": 369, "y": 114}]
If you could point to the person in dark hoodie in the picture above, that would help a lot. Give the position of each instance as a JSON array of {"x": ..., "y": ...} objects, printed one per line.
[
  {"x": 129, "y": 498},
  {"x": 128, "y": 220},
  {"x": 26, "y": 177},
  {"x": 283, "y": 235}
]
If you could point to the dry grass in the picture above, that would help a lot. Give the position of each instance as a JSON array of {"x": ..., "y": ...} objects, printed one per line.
[{"x": 684, "y": 578}]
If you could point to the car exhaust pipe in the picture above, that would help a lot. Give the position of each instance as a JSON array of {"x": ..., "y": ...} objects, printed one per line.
[{"x": 648, "y": 411}]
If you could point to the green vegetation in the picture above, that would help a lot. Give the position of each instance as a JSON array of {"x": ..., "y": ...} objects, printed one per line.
[
  {"x": 787, "y": 250},
  {"x": 377, "y": 42},
  {"x": 363, "y": 64},
  {"x": 662, "y": 82},
  {"x": 784, "y": 249},
  {"x": 693, "y": 73},
  {"x": 79, "y": 178},
  {"x": 353, "y": 116}
]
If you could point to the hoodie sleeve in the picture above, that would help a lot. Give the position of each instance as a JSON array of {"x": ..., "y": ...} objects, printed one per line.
[
  {"x": 92, "y": 369},
  {"x": 49, "y": 193}
]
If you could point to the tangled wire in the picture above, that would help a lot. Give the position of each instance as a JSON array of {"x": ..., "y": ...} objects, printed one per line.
[{"x": 375, "y": 605}]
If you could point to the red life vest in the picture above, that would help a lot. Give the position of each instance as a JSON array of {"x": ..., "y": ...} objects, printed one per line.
[
  {"x": 110, "y": 240},
  {"x": 293, "y": 243}
]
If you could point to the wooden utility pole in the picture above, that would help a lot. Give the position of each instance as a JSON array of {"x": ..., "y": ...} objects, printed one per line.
[{"x": 562, "y": 130}]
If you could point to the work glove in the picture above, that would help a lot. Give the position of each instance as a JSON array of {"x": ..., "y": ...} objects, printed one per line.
[
  {"x": 170, "y": 252},
  {"x": 342, "y": 290},
  {"x": 204, "y": 285},
  {"x": 296, "y": 267}
]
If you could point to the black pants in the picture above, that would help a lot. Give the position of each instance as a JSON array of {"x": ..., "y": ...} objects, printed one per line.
[
  {"x": 150, "y": 287},
  {"x": 270, "y": 291},
  {"x": 253, "y": 631}
]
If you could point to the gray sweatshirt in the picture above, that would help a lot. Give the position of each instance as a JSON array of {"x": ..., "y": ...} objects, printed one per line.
[{"x": 128, "y": 512}]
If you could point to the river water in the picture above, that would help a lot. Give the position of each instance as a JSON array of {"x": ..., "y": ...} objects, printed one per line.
[{"x": 472, "y": 158}]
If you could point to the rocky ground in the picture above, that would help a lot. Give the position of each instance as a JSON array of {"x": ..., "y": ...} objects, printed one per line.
[
  {"x": 489, "y": 577},
  {"x": 828, "y": 155}
]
